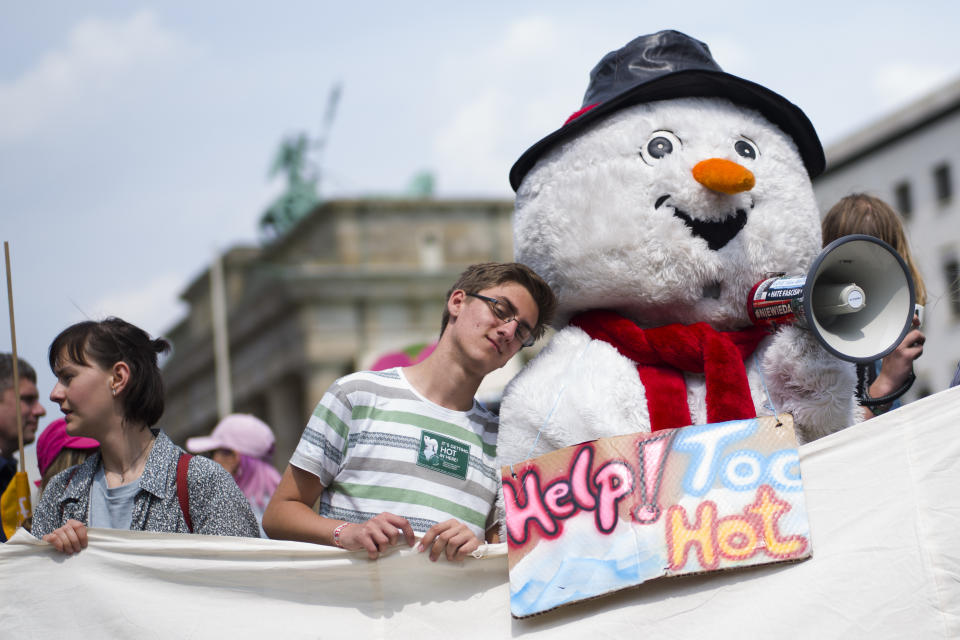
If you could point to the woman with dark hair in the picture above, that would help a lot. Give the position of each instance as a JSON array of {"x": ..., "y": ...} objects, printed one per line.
[{"x": 109, "y": 388}]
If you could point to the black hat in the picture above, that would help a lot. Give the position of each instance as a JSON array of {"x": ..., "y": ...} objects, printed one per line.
[{"x": 665, "y": 65}]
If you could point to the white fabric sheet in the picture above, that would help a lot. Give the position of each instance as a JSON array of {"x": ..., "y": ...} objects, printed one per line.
[{"x": 885, "y": 522}]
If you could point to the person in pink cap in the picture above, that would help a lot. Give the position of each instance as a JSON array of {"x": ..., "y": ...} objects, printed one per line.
[
  {"x": 243, "y": 445},
  {"x": 57, "y": 450}
]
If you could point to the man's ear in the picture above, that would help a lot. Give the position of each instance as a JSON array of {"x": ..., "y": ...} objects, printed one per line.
[{"x": 455, "y": 303}]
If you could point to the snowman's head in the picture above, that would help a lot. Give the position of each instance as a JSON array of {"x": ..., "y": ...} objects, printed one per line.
[
  {"x": 668, "y": 211},
  {"x": 671, "y": 192}
]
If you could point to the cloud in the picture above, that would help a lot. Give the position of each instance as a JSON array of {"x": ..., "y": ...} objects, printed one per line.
[
  {"x": 496, "y": 114},
  {"x": 99, "y": 56},
  {"x": 899, "y": 83},
  {"x": 526, "y": 38},
  {"x": 468, "y": 144},
  {"x": 731, "y": 54},
  {"x": 154, "y": 306}
]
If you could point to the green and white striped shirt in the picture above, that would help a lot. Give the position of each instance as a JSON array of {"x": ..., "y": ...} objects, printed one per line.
[{"x": 377, "y": 445}]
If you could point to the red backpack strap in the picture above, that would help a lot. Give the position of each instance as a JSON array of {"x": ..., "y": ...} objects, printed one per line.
[{"x": 183, "y": 491}]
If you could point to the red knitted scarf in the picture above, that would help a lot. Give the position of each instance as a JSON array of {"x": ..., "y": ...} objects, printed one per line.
[{"x": 662, "y": 355}]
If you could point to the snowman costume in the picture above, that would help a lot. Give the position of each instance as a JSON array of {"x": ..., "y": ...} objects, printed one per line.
[{"x": 652, "y": 213}]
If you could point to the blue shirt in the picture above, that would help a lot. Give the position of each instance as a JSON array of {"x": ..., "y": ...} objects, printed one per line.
[{"x": 111, "y": 508}]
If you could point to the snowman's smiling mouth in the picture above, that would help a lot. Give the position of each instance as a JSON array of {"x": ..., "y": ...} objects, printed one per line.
[{"x": 717, "y": 233}]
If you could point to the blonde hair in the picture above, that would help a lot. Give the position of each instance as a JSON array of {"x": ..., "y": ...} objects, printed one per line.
[
  {"x": 65, "y": 459},
  {"x": 868, "y": 215}
]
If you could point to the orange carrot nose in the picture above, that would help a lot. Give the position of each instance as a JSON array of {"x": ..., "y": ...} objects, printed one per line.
[{"x": 723, "y": 176}]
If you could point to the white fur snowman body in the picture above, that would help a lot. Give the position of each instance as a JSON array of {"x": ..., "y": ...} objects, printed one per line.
[{"x": 618, "y": 218}]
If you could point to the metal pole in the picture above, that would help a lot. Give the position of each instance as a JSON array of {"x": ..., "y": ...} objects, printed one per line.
[{"x": 221, "y": 344}]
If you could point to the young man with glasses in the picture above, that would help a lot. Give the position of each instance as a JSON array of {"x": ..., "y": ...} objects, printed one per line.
[{"x": 391, "y": 454}]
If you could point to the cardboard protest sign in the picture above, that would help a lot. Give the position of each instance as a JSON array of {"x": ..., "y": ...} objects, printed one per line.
[{"x": 612, "y": 513}]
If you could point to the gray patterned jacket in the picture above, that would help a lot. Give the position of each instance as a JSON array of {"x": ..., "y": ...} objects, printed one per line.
[{"x": 217, "y": 506}]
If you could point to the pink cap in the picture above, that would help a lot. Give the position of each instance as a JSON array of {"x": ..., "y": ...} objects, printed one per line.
[
  {"x": 54, "y": 439},
  {"x": 240, "y": 432}
]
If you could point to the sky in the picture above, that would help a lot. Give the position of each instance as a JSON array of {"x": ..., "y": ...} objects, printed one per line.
[{"x": 136, "y": 138}]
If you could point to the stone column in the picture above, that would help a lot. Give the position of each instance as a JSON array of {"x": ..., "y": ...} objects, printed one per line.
[{"x": 286, "y": 416}]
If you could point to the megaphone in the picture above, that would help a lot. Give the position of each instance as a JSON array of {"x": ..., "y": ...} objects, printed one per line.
[{"x": 857, "y": 299}]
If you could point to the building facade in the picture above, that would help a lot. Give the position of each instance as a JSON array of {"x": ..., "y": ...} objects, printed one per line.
[
  {"x": 352, "y": 280},
  {"x": 910, "y": 159}
]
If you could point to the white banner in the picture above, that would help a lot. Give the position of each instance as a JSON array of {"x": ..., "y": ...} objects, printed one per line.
[{"x": 883, "y": 500}]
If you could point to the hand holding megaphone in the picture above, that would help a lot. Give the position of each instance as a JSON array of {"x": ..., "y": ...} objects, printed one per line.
[{"x": 857, "y": 299}]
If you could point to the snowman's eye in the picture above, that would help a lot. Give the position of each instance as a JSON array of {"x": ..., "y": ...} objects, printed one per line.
[
  {"x": 745, "y": 149},
  {"x": 660, "y": 145}
]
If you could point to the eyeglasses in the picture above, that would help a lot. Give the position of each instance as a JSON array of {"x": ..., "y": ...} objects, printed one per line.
[{"x": 505, "y": 312}]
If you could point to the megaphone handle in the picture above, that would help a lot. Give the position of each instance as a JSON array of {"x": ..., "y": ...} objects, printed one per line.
[{"x": 872, "y": 403}]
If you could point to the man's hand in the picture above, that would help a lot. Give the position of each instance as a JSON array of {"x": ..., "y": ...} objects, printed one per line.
[
  {"x": 68, "y": 539},
  {"x": 377, "y": 534},
  {"x": 452, "y": 538}
]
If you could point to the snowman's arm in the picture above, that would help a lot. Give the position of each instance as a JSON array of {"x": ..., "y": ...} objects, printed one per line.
[
  {"x": 576, "y": 389},
  {"x": 811, "y": 384}
]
